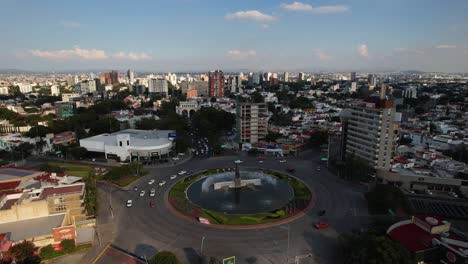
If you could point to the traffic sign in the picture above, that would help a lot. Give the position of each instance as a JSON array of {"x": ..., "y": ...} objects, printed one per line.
[{"x": 230, "y": 260}]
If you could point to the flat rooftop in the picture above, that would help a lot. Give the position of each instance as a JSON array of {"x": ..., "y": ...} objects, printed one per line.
[
  {"x": 138, "y": 138},
  {"x": 10, "y": 173},
  {"x": 29, "y": 228}
]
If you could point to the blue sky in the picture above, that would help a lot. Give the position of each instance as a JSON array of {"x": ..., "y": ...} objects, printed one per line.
[{"x": 179, "y": 35}]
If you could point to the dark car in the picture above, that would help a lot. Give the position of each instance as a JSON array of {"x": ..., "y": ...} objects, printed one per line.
[
  {"x": 291, "y": 170},
  {"x": 135, "y": 187},
  {"x": 322, "y": 212}
]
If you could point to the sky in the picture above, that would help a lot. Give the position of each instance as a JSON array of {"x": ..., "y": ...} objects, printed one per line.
[{"x": 199, "y": 35}]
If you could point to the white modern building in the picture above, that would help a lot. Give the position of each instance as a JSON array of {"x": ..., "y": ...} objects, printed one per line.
[
  {"x": 54, "y": 90},
  {"x": 4, "y": 90},
  {"x": 132, "y": 144}
]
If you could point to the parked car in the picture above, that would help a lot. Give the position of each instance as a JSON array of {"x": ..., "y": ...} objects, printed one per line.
[
  {"x": 454, "y": 195},
  {"x": 151, "y": 204},
  {"x": 282, "y": 161},
  {"x": 318, "y": 168},
  {"x": 142, "y": 193},
  {"x": 129, "y": 203},
  {"x": 173, "y": 177},
  {"x": 182, "y": 172},
  {"x": 162, "y": 183},
  {"x": 428, "y": 192},
  {"x": 151, "y": 181},
  {"x": 322, "y": 212},
  {"x": 152, "y": 192},
  {"x": 321, "y": 225},
  {"x": 260, "y": 161}
]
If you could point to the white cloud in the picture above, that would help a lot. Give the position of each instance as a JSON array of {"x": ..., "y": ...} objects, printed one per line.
[
  {"x": 131, "y": 56},
  {"x": 239, "y": 54},
  {"x": 87, "y": 54},
  {"x": 264, "y": 26},
  {"x": 363, "y": 50},
  {"x": 299, "y": 6},
  {"x": 322, "y": 56},
  {"x": 71, "y": 24},
  {"x": 446, "y": 46},
  {"x": 253, "y": 15},
  {"x": 409, "y": 51},
  {"x": 76, "y": 52}
]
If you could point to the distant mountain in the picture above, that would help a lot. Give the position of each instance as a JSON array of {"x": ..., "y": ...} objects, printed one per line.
[{"x": 412, "y": 72}]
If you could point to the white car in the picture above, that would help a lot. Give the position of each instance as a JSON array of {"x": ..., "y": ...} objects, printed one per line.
[
  {"x": 151, "y": 182},
  {"x": 454, "y": 195},
  {"x": 238, "y": 161},
  {"x": 152, "y": 192},
  {"x": 129, "y": 203},
  {"x": 162, "y": 183},
  {"x": 142, "y": 193},
  {"x": 260, "y": 161},
  {"x": 175, "y": 158},
  {"x": 282, "y": 161},
  {"x": 182, "y": 172},
  {"x": 173, "y": 177},
  {"x": 428, "y": 192}
]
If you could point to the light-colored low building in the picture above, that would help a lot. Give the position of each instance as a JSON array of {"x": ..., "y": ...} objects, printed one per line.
[{"x": 132, "y": 144}]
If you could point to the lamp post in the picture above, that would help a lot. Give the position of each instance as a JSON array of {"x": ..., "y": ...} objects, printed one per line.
[{"x": 201, "y": 247}]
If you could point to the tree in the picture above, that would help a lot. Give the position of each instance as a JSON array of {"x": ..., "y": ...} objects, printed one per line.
[
  {"x": 147, "y": 124},
  {"x": 165, "y": 257},
  {"x": 318, "y": 138},
  {"x": 356, "y": 169},
  {"x": 256, "y": 97},
  {"x": 78, "y": 152},
  {"x": 272, "y": 136},
  {"x": 372, "y": 248},
  {"x": 383, "y": 197},
  {"x": 23, "y": 252}
]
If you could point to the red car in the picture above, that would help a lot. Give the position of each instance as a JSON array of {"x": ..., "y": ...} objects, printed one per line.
[
  {"x": 291, "y": 170},
  {"x": 151, "y": 204},
  {"x": 321, "y": 225}
]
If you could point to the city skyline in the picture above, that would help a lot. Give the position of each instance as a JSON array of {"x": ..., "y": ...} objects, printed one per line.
[{"x": 187, "y": 35}]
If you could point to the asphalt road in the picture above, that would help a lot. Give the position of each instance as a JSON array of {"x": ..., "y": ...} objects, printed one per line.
[{"x": 144, "y": 231}]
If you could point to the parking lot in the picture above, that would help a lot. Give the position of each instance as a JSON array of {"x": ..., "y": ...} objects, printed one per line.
[{"x": 450, "y": 208}]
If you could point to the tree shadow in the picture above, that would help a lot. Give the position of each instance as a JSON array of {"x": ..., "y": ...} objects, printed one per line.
[
  {"x": 251, "y": 260},
  {"x": 143, "y": 251},
  {"x": 191, "y": 255}
]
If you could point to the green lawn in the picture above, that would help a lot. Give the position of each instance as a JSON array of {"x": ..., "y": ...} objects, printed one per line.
[{"x": 73, "y": 169}]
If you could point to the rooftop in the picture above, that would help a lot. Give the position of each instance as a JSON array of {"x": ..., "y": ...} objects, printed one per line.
[
  {"x": 59, "y": 190},
  {"x": 9, "y": 173},
  {"x": 30, "y": 228},
  {"x": 138, "y": 138}
]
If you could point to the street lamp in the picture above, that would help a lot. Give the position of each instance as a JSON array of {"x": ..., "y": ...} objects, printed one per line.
[
  {"x": 288, "y": 227},
  {"x": 201, "y": 247}
]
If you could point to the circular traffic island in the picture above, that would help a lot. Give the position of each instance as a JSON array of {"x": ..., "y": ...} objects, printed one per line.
[{"x": 236, "y": 197}]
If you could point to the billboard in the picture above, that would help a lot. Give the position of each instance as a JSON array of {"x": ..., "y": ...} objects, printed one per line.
[{"x": 65, "y": 232}]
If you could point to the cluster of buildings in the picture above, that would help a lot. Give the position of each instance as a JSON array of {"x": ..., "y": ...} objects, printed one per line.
[{"x": 42, "y": 207}]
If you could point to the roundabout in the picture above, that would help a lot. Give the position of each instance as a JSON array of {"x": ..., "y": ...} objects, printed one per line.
[
  {"x": 145, "y": 230},
  {"x": 234, "y": 197}
]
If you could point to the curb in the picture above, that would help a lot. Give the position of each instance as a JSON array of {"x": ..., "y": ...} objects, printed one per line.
[{"x": 100, "y": 254}]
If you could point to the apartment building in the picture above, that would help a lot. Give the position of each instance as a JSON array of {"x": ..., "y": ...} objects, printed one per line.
[
  {"x": 370, "y": 131},
  {"x": 253, "y": 122}
]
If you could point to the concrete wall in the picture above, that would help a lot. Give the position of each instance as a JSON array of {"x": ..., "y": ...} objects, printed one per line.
[{"x": 25, "y": 211}]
